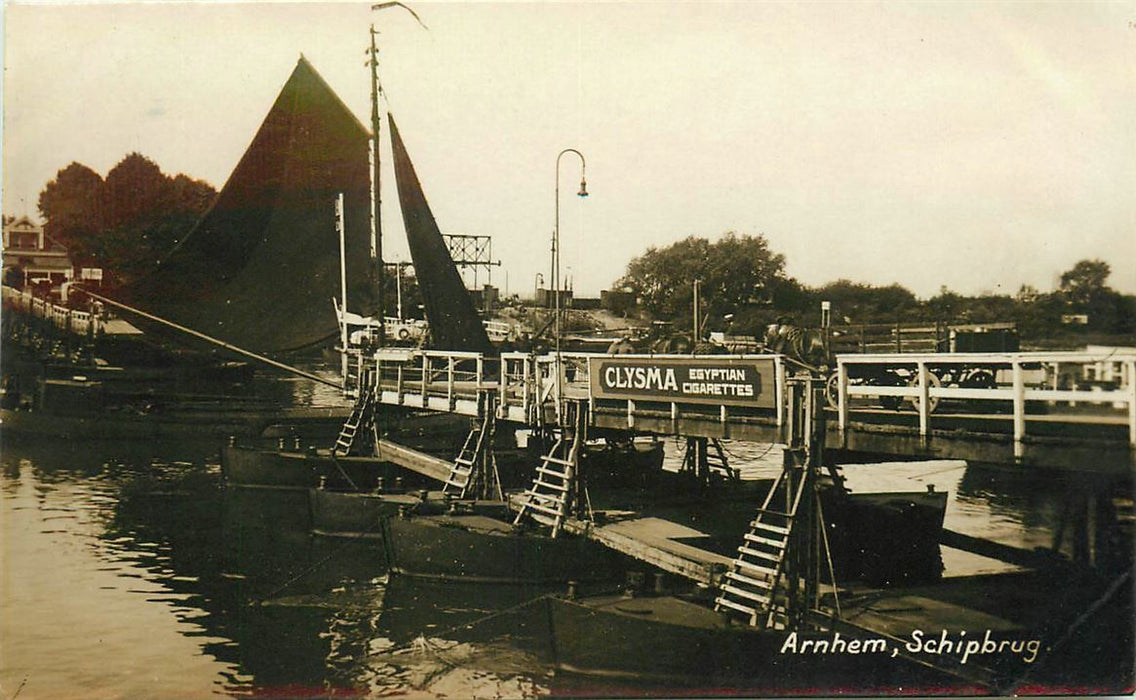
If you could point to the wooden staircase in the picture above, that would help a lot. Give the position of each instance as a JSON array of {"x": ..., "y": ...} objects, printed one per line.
[
  {"x": 549, "y": 498},
  {"x": 475, "y": 464},
  {"x": 752, "y": 587},
  {"x": 362, "y": 417}
]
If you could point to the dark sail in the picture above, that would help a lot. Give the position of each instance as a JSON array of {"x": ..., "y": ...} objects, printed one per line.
[
  {"x": 262, "y": 266},
  {"x": 454, "y": 322}
]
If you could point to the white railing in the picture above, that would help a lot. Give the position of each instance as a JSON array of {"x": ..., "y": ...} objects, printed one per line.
[
  {"x": 1016, "y": 378},
  {"x": 439, "y": 380},
  {"x": 61, "y": 317}
]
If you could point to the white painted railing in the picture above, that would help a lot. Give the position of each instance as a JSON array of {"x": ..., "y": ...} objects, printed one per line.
[
  {"x": 529, "y": 384},
  {"x": 438, "y": 380},
  {"x": 1018, "y": 378},
  {"x": 61, "y": 317}
]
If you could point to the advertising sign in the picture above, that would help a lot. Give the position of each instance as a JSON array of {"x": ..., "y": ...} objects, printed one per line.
[{"x": 732, "y": 382}]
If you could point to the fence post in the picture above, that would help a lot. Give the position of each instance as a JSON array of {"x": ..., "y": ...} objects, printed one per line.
[
  {"x": 842, "y": 395},
  {"x": 450, "y": 398},
  {"x": 779, "y": 388},
  {"x": 924, "y": 400},
  {"x": 1131, "y": 366},
  {"x": 1019, "y": 405},
  {"x": 425, "y": 376}
]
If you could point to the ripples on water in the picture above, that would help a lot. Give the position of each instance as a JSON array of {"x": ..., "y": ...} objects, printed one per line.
[{"x": 130, "y": 571}]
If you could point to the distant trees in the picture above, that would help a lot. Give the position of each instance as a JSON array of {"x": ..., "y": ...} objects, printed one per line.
[
  {"x": 734, "y": 271},
  {"x": 125, "y": 223},
  {"x": 1085, "y": 280},
  {"x": 740, "y": 276},
  {"x": 1084, "y": 289}
]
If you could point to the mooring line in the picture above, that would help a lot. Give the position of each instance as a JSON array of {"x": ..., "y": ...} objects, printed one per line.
[
  {"x": 465, "y": 625},
  {"x": 485, "y": 618},
  {"x": 343, "y": 545},
  {"x": 343, "y": 472}
]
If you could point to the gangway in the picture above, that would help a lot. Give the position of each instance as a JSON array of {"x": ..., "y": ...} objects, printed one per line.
[{"x": 1027, "y": 408}]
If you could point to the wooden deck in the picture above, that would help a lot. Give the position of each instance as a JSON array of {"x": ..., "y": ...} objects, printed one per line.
[{"x": 656, "y": 541}]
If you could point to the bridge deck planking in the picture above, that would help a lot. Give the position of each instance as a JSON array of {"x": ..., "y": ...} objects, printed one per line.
[{"x": 654, "y": 541}]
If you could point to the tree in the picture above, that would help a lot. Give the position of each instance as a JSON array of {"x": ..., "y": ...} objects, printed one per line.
[
  {"x": 865, "y": 303},
  {"x": 71, "y": 206},
  {"x": 136, "y": 191},
  {"x": 735, "y": 271},
  {"x": 1085, "y": 281},
  {"x": 127, "y": 222}
]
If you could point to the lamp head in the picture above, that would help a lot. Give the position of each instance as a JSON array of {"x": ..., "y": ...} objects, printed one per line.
[{"x": 583, "y": 188}]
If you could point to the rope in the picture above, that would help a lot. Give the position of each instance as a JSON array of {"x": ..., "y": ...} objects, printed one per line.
[
  {"x": 465, "y": 625},
  {"x": 381, "y": 522},
  {"x": 828, "y": 553},
  {"x": 228, "y": 346},
  {"x": 343, "y": 472}
]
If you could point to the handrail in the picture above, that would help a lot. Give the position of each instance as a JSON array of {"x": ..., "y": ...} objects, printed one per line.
[{"x": 923, "y": 385}]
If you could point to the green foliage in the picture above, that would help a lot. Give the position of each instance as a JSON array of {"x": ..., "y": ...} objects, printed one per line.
[
  {"x": 1085, "y": 281},
  {"x": 735, "y": 271},
  {"x": 125, "y": 223},
  {"x": 72, "y": 205}
]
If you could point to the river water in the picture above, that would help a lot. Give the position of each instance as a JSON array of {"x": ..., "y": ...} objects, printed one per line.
[{"x": 129, "y": 570}]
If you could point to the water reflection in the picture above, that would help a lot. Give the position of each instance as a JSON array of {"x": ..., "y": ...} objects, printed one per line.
[{"x": 130, "y": 570}]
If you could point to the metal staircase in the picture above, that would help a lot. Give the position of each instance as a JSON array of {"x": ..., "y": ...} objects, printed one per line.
[{"x": 549, "y": 498}]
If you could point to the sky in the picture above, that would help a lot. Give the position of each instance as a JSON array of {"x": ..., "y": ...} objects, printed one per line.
[{"x": 976, "y": 146}]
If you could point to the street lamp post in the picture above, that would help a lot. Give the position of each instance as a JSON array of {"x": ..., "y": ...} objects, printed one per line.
[{"x": 556, "y": 257}]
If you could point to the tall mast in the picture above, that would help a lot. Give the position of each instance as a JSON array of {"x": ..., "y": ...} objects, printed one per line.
[{"x": 376, "y": 188}]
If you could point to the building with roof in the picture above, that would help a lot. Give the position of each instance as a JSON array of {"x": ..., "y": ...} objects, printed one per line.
[{"x": 33, "y": 256}]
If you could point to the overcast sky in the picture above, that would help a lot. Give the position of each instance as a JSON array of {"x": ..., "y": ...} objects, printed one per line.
[{"x": 978, "y": 146}]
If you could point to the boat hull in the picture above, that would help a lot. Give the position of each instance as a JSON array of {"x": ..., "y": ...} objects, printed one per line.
[
  {"x": 354, "y": 514},
  {"x": 478, "y": 548},
  {"x": 251, "y": 467},
  {"x": 886, "y": 538},
  {"x": 685, "y": 643},
  {"x": 134, "y": 425}
]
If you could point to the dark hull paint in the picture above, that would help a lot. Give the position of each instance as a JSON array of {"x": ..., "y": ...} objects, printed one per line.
[
  {"x": 886, "y": 538},
  {"x": 678, "y": 641},
  {"x": 135, "y": 425},
  {"x": 481, "y": 549},
  {"x": 263, "y": 468},
  {"x": 354, "y": 514}
]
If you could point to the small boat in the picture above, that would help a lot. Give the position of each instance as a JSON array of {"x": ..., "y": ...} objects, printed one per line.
[
  {"x": 81, "y": 409},
  {"x": 888, "y": 538},
  {"x": 680, "y": 641},
  {"x": 280, "y": 459},
  {"x": 482, "y": 546},
  {"x": 356, "y": 514}
]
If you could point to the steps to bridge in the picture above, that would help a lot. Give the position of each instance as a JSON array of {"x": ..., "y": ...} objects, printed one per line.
[
  {"x": 475, "y": 467},
  {"x": 362, "y": 418},
  {"x": 773, "y": 582},
  {"x": 752, "y": 587},
  {"x": 548, "y": 499}
]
